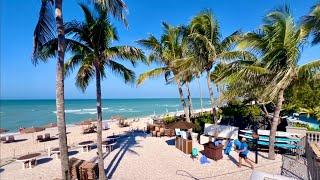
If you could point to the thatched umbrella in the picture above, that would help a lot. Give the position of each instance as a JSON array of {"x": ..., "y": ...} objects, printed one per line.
[
  {"x": 3, "y": 130},
  {"x": 181, "y": 125}
]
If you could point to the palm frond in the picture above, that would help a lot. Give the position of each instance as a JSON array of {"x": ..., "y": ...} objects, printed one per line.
[
  {"x": 130, "y": 53},
  {"x": 116, "y": 7},
  {"x": 126, "y": 74},
  {"x": 151, "y": 74},
  {"x": 85, "y": 74},
  {"x": 44, "y": 31},
  {"x": 309, "y": 70}
]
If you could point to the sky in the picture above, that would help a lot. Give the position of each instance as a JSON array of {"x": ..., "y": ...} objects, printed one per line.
[{"x": 20, "y": 79}]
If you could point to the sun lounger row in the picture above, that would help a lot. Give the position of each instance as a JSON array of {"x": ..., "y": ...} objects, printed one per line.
[{"x": 8, "y": 139}]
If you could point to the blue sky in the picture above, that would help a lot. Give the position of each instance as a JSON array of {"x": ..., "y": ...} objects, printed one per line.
[{"x": 21, "y": 80}]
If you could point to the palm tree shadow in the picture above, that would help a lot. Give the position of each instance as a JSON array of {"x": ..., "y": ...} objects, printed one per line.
[
  {"x": 126, "y": 146},
  {"x": 43, "y": 160}
]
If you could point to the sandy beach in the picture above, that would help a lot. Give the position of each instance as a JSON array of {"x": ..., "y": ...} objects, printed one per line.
[{"x": 137, "y": 156}]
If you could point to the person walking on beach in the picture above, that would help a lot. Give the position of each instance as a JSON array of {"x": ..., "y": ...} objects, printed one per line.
[{"x": 243, "y": 153}]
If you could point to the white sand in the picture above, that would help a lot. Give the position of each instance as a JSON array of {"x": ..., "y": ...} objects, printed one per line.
[{"x": 136, "y": 157}]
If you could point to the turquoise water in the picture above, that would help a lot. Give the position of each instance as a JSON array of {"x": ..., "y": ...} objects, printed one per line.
[
  {"x": 312, "y": 122},
  {"x": 26, "y": 113}
]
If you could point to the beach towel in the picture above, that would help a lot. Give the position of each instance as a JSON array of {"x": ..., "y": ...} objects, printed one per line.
[
  {"x": 228, "y": 147},
  {"x": 204, "y": 160}
]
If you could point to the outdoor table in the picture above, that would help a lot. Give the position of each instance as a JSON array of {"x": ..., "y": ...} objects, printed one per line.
[
  {"x": 108, "y": 144},
  {"x": 85, "y": 145},
  {"x": 28, "y": 159}
]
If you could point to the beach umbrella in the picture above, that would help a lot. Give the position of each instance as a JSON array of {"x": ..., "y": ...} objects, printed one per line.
[
  {"x": 181, "y": 125},
  {"x": 3, "y": 130}
]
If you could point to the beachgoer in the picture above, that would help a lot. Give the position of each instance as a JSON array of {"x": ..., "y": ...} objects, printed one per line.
[{"x": 243, "y": 153}]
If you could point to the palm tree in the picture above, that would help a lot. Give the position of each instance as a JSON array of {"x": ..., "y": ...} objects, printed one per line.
[
  {"x": 92, "y": 51},
  {"x": 279, "y": 43},
  {"x": 49, "y": 22},
  {"x": 50, "y": 25},
  {"x": 311, "y": 23},
  {"x": 165, "y": 52},
  {"x": 210, "y": 48}
]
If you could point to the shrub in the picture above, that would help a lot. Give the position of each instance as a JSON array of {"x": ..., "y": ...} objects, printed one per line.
[{"x": 169, "y": 119}]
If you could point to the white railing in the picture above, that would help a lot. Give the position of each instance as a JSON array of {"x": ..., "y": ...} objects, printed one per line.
[{"x": 313, "y": 136}]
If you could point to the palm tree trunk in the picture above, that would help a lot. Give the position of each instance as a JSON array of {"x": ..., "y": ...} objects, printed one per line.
[
  {"x": 275, "y": 122},
  {"x": 201, "y": 103},
  {"x": 183, "y": 102},
  {"x": 60, "y": 93},
  {"x": 102, "y": 175},
  {"x": 189, "y": 99},
  {"x": 211, "y": 97}
]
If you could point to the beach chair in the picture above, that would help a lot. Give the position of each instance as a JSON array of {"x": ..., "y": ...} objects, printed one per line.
[
  {"x": 47, "y": 137},
  {"x": 39, "y": 138},
  {"x": 4, "y": 139},
  {"x": 10, "y": 139}
]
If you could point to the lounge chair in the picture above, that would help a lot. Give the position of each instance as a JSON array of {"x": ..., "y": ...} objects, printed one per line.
[
  {"x": 47, "y": 137},
  {"x": 4, "y": 139},
  {"x": 10, "y": 139},
  {"x": 39, "y": 138}
]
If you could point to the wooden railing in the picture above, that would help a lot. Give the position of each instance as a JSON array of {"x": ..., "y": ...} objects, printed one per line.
[{"x": 313, "y": 160}]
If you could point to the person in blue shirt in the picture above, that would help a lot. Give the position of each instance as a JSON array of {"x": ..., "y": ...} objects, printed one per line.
[{"x": 243, "y": 153}]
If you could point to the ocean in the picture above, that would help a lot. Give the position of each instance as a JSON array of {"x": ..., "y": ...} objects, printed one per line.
[{"x": 15, "y": 114}]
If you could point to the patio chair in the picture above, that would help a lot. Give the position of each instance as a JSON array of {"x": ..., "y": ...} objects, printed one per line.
[{"x": 39, "y": 138}]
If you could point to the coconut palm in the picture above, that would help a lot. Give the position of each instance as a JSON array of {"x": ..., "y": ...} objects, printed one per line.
[
  {"x": 210, "y": 47},
  {"x": 49, "y": 26},
  {"x": 311, "y": 23},
  {"x": 165, "y": 51},
  {"x": 278, "y": 43},
  {"x": 93, "y": 53}
]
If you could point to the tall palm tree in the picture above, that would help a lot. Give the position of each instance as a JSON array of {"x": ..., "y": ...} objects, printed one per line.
[
  {"x": 205, "y": 31},
  {"x": 93, "y": 52},
  {"x": 279, "y": 43},
  {"x": 311, "y": 23},
  {"x": 50, "y": 25},
  {"x": 165, "y": 52}
]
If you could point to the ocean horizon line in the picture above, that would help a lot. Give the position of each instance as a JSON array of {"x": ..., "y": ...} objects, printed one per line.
[{"x": 16, "y": 99}]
